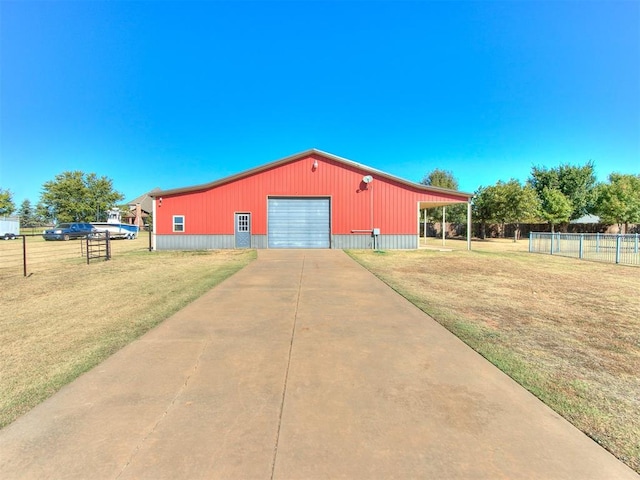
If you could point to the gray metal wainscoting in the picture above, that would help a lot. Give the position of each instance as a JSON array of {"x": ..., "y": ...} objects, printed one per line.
[
  {"x": 385, "y": 242},
  {"x": 194, "y": 242},
  {"x": 259, "y": 241},
  {"x": 214, "y": 242},
  {"x": 355, "y": 242},
  {"x": 397, "y": 242}
]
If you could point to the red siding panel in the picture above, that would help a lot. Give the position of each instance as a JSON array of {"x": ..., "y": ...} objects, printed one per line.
[{"x": 392, "y": 205}]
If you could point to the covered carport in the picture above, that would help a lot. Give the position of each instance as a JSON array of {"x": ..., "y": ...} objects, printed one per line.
[{"x": 425, "y": 205}]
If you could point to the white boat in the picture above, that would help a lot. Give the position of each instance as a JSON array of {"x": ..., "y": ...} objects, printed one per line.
[{"x": 116, "y": 228}]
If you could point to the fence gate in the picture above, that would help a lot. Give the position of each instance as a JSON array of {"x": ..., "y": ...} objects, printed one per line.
[{"x": 98, "y": 246}]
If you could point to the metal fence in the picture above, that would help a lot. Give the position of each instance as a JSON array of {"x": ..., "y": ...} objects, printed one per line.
[
  {"x": 599, "y": 247},
  {"x": 28, "y": 253}
]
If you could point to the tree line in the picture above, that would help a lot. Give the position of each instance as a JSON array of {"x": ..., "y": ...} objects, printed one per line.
[
  {"x": 551, "y": 195},
  {"x": 72, "y": 196}
]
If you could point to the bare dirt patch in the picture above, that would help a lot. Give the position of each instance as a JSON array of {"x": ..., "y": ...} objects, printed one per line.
[{"x": 567, "y": 330}]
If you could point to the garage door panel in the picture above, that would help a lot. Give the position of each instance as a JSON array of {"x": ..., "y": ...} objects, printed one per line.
[{"x": 299, "y": 223}]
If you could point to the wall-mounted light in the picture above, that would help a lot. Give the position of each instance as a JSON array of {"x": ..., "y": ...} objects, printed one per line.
[
  {"x": 315, "y": 164},
  {"x": 160, "y": 202}
]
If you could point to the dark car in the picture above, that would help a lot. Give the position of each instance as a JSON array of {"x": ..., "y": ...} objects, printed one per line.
[{"x": 65, "y": 231}]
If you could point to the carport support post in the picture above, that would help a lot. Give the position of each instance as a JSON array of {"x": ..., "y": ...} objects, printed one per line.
[
  {"x": 424, "y": 224},
  {"x": 469, "y": 225},
  {"x": 444, "y": 218}
]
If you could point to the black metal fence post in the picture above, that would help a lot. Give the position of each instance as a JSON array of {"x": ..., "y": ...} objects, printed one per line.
[{"x": 24, "y": 254}]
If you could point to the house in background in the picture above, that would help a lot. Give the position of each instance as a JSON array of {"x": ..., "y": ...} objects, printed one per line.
[
  {"x": 593, "y": 224},
  {"x": 139, "y": 209},
  {"x": 309, "y": 200}
]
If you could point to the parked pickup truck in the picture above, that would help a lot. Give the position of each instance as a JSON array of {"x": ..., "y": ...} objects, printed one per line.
[{"x": 66, "y": 231}]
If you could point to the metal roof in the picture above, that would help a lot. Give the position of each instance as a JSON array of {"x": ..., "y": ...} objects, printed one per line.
[
  {"x": 587, "y": 219},
  {"x": 144, "y": 200},
  {"x": 297, "y": 156}
]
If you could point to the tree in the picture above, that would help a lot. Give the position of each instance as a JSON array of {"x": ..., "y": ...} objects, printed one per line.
[
  {"x": 555, "y": 207},
  {"x": 7, "y": 207},
  {"x": 521, "y": 204},
  {"x": 575, "y": 183},
  {"x": 514, "y": 203},
  {"x": 505, "y": 202},
  {"x": 42, "y": 215},
  {"x": 456, "y": 213},
  {"x": 619, "y": 200},
  {"x": 27, "y": 214},
  {"x": 484, "y": 207},
  {"x": 440, "y": 178},
  {"x": 76, "y": 196}
]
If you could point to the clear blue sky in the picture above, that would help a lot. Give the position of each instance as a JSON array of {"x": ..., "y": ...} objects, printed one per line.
[{"x": 171, "y": 94}]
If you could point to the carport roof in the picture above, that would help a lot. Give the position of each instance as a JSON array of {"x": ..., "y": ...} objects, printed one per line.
[{"x": 464, "y": 196}]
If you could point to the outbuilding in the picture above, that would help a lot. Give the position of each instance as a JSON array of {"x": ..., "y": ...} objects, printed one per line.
[{"x": 309, "y": 200}]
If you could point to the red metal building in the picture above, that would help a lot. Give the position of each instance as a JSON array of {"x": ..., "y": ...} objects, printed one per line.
[{"x": 309, "y": 200}]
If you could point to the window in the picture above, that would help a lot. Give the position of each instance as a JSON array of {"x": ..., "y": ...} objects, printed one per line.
[
  {"x": 178, "y": 223},
  {"x": 243, "y": 223}
]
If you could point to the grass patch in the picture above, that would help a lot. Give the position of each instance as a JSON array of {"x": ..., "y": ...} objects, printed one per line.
[
  {"x": 567, "y": 330},
  {"x": 65, "y": 319}
]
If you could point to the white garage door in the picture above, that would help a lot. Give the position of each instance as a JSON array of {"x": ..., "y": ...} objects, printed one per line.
[{"x": 299, "y": 223}]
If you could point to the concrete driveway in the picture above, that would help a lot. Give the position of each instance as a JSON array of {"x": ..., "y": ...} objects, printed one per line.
[{"x": 302, "y": 365}]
